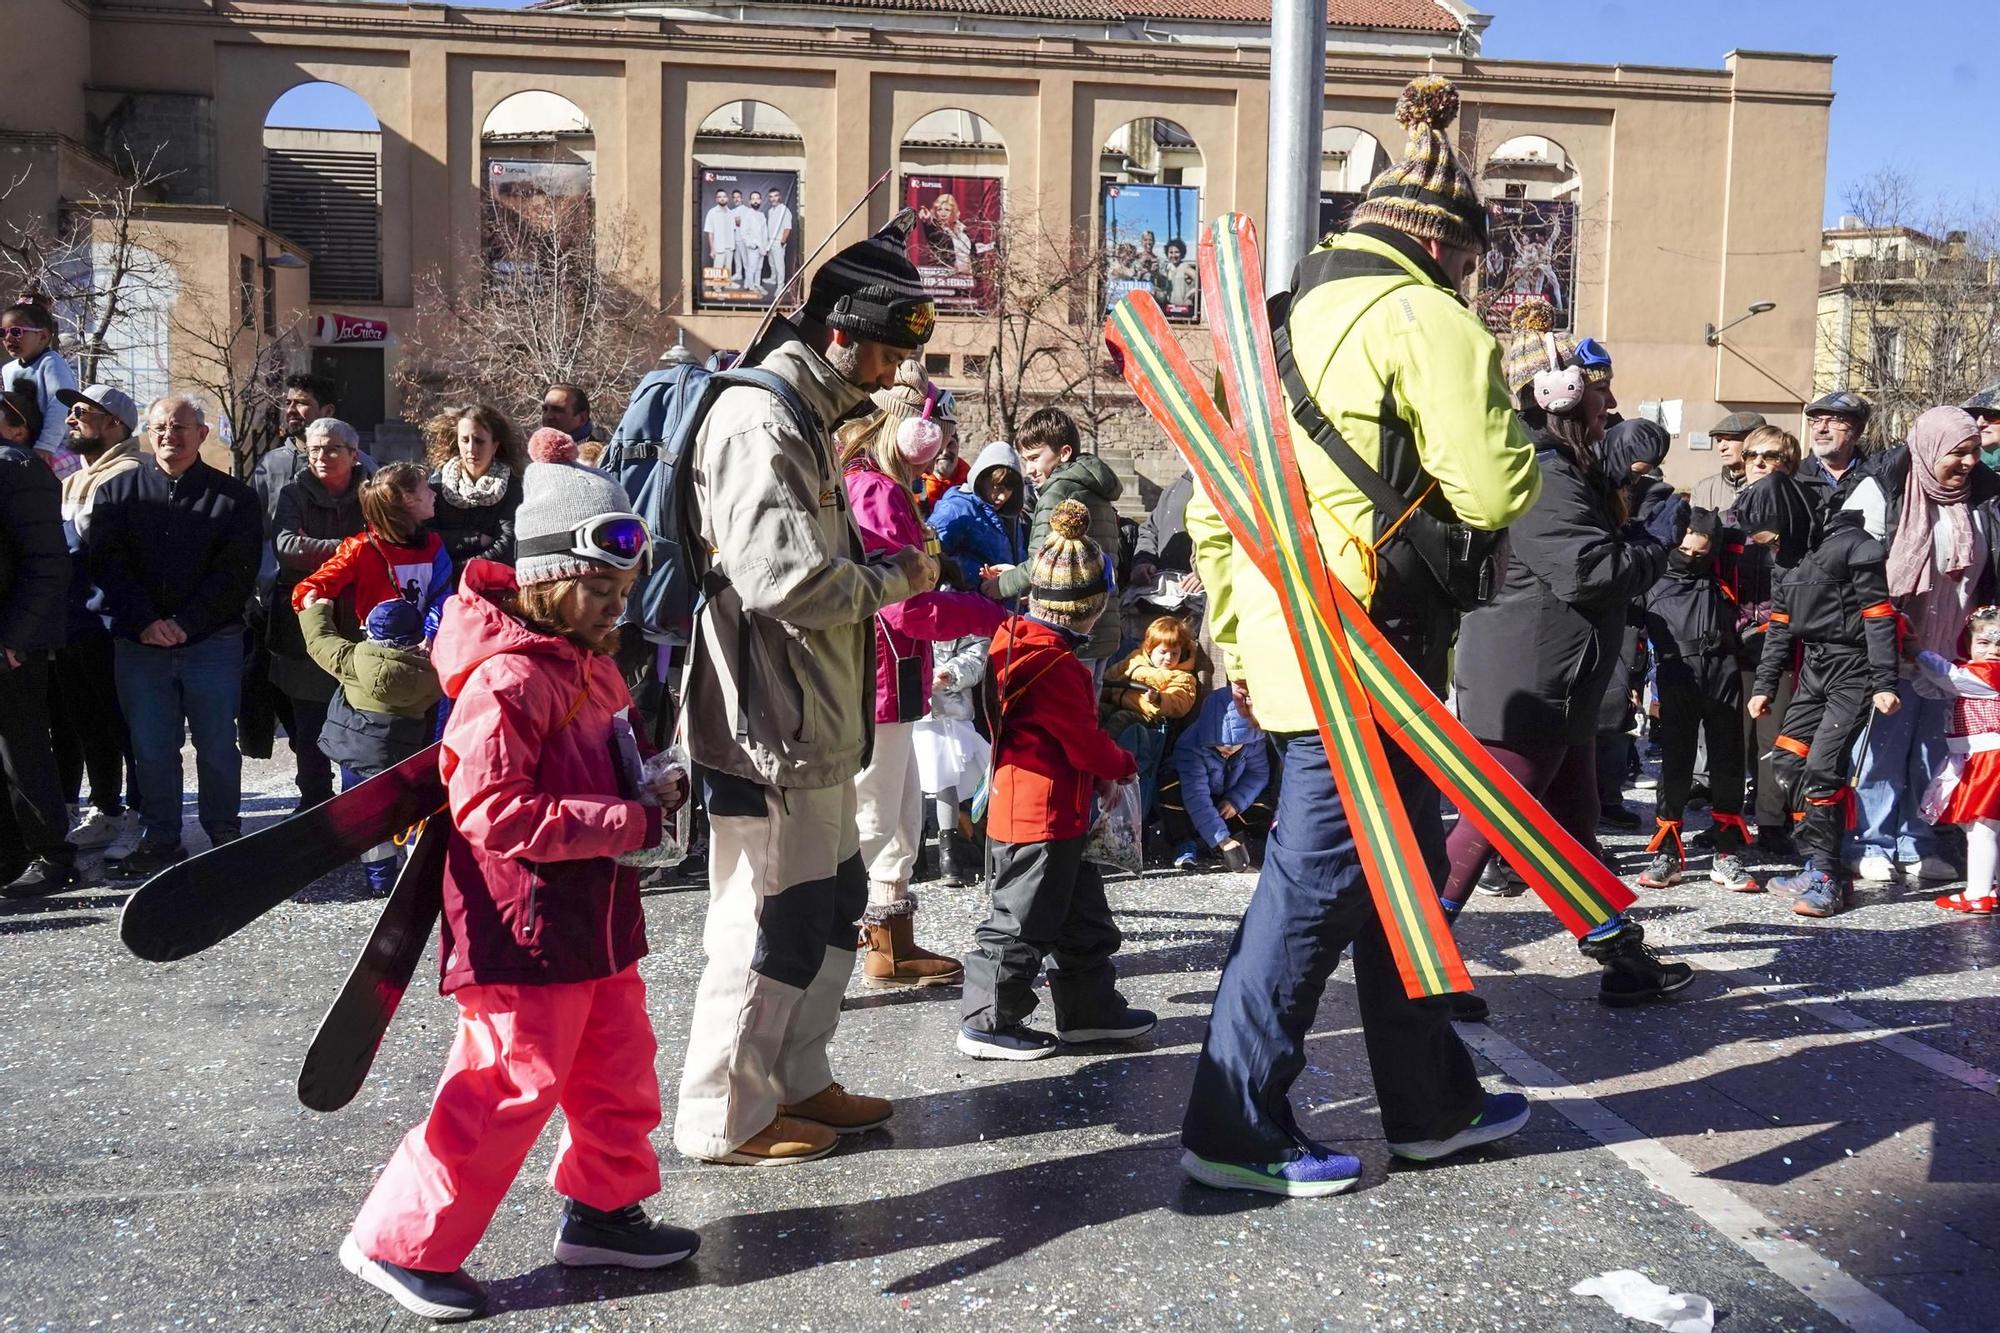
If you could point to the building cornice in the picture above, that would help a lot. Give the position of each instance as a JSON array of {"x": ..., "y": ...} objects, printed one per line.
[{"x": 399, "y": 24}]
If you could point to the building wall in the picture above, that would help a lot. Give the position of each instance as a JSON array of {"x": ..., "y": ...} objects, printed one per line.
[{"x": 1700, "y": 190}]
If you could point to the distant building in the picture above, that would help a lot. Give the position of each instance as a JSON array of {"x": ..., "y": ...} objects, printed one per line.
[{"x": 1653, "y": 201}]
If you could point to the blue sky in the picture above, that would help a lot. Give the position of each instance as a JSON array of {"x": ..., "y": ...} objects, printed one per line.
[{"x": 1907, "y": 81}]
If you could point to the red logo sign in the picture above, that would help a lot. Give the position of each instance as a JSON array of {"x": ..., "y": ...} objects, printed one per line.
[{"x": 334, "y": 329}]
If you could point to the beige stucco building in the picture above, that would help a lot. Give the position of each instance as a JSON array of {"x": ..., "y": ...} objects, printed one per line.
[{"x": 1695, "y": 191}]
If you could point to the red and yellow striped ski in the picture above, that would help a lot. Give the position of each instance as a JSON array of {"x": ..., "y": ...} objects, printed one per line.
[{"x": 1581, "y": 891}]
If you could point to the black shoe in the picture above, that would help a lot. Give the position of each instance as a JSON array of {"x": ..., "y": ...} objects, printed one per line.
[
  {"x": 626, "y": 1238},
  {"x": 222, "y": 837},
  {"x": 146, "y": 860},
  {"x": 446, "y": 1297},
  {"x": 1467, "y": 1007},
  {"x": 1126, "y": 1025},
  {"x": 1698, "y": 794},
  {"x": 1633, "y": 973},
  {"x": 1618, "y": 816},
  {"x": 41, "y": 878}
]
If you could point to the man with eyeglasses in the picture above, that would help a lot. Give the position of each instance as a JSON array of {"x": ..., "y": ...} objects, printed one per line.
[
  {"x": 87, "y": 725},
  {"x": 1718, "y": 491},
  {"x": 172, "y": 548},
  {"x": 1835, "y": 424}
]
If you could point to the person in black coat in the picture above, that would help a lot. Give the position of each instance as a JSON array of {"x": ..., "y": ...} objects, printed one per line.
[
  {"x": 35, "y": 855},
  {"x": 1533, "y": 664},
  {"x": 1775, "y": 521},
  {"x": 1691, "y": 625},
  {"x": 1630, "y": 459},
  {"x": 173, "y": 551},
  {"x": 477, "y": 458}
]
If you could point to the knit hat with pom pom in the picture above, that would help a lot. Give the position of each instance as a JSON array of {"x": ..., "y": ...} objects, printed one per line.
[
  {"x": 1427, "y": 193},
  {"x": 1068, "y": 584},
  {"x": 1527, "y": 349},
  {"x": 558, "y": 494}
]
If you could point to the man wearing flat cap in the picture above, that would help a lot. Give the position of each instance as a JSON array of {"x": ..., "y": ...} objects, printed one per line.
[
  {"x": 776, "y": 714},
  {"x": 1718, "y": 492}
]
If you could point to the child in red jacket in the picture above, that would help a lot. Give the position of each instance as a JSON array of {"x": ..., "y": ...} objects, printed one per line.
[
  {"x": 392, "y": 556},
  {"x": 543, "y": 929},
  {"x": 1049, "y": 755}
]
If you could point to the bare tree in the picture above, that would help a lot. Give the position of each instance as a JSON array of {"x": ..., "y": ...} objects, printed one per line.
[
  {"x": 552, "y": 305},
  {"x": 97, "y": 262},
  {"x": 1047, "y": 339},
  {"x": 1909, "y": 302},
  {"x": 239, "y": 362}
]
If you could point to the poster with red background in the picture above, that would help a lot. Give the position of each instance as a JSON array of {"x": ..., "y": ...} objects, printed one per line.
[{"x": 957, "y": 231}]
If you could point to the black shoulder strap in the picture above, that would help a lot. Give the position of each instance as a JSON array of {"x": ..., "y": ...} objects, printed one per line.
[{"x": 1385, "y": 499}]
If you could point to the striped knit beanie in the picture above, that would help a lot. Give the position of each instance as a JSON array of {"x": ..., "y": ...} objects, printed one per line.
[
  {"x": 1428, "y": 194},
  {"x": 1067, "y": 584},
  {"x": 873, "y": 291},
  {"x": 1527, "y": 350}
]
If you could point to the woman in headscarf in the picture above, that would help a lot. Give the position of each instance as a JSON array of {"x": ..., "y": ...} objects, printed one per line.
[{"x": 1932, "y": 504}]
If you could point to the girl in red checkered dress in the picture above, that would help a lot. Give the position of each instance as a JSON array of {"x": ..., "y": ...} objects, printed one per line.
[{"x": 1967, "y": 791}]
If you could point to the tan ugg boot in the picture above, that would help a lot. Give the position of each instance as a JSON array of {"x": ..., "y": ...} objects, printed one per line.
[{"x": 893, "y": 958}]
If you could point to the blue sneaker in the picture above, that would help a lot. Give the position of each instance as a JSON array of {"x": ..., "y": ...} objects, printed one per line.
[
  {"x": 1821, "y": 895},
  {"x": 1793, "y": 885},
  {"x": 1119, "y": 1027},
  {"x": 381, "y": 875},
  {"x": 1313, "y": 1172},
  {"x": 1018, "y": 1042},
  {"x": 1188, "y": 857},
  {"x": 1503, "y": 1114},
  {"x": 623, "y": 1238}
]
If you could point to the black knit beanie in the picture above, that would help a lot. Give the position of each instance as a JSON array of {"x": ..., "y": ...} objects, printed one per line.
[{"x": 873, "y": 291}]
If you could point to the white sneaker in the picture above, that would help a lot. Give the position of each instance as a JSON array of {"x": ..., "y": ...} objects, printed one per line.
[
  {"x": 1876, "y": 869},
  {"x": 1933, "y": 868},
  {"x": 99, "y": 829},
  {"x": 130, "y": 835}
]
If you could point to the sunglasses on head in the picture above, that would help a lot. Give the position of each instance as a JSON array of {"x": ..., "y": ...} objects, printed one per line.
[{"x": 618, "y": 540}]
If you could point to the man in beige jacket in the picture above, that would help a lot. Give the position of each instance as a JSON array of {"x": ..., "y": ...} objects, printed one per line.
[{"x": 778, "y": 716}]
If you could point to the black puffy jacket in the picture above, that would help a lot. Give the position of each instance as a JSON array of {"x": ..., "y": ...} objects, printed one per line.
[
  {"x": 1532, "y": 664},
  {"x": 34, "y": 558},
  {"x": 1836, "y": 600}
]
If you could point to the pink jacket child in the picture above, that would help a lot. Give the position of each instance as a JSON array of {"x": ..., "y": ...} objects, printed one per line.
[
  {"x": 886, "y": 513},
  {"x": 542, "y": 927}
]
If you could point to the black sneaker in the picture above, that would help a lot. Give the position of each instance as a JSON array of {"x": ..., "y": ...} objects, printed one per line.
[
  {"x": 1633, "y": 973},
  {"x": 1118, "y": 1027},
  {"x": 1467, "y": 1007},
  {"x": 447, "y": 1297},
  {"x": 627, "y": 1238},
  {"x": 1617, "y": 816},
  {"x": 222, "y": 837},
  {"x": 41, "y": 878},
  {"x": 146, "y": 860},
  {"x": 1497, "y": 881},
  {"x": 1018, "y": 1042}
]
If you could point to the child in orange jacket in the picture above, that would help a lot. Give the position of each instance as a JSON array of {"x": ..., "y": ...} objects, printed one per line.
[{"x": 1048, "y": 758}]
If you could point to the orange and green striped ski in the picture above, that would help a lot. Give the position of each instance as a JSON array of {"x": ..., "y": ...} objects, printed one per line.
[
  {"x": 1419, "y": 937},
  {"x": 1579, "y": 889}
]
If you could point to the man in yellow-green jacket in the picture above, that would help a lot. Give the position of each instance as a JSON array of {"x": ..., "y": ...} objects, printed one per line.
[{"x": 1383, "y": 349}]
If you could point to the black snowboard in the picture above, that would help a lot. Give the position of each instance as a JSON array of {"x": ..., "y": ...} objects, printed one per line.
[
  {"x": 350, "y": 1034},
  {"x": 205, "y": 899}
]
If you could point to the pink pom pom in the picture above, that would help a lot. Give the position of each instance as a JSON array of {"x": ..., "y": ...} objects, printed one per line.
[{"x": 549, "y": 445}]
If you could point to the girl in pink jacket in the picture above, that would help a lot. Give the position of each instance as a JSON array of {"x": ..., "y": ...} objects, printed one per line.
[
  {"x": 884, "y": 454},
  {"x": 542, "y": 926}
]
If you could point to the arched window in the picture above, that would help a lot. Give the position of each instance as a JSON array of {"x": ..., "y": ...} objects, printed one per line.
[
  {"x": 1350, "y": 160},
  {"x": 954, "y": 170},
  {"x": 749, "y": 204},
  {"x": 538, "y": 158},
  {"x": 1531, "y": 189},
  {"x": 323, "y": 187},
  {"x": 1149, "y": 214}
]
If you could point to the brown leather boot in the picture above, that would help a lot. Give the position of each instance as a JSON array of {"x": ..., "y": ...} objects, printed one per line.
[{"x": 893, "y": 958}]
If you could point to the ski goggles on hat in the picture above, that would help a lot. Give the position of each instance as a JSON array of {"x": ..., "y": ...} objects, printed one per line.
[
  {"x": 618, "y": 540},
  {"x": 1590, "y": 354}
]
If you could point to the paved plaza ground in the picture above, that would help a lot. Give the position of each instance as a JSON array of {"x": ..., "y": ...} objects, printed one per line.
[{"x": 1810, "y": 1139}]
